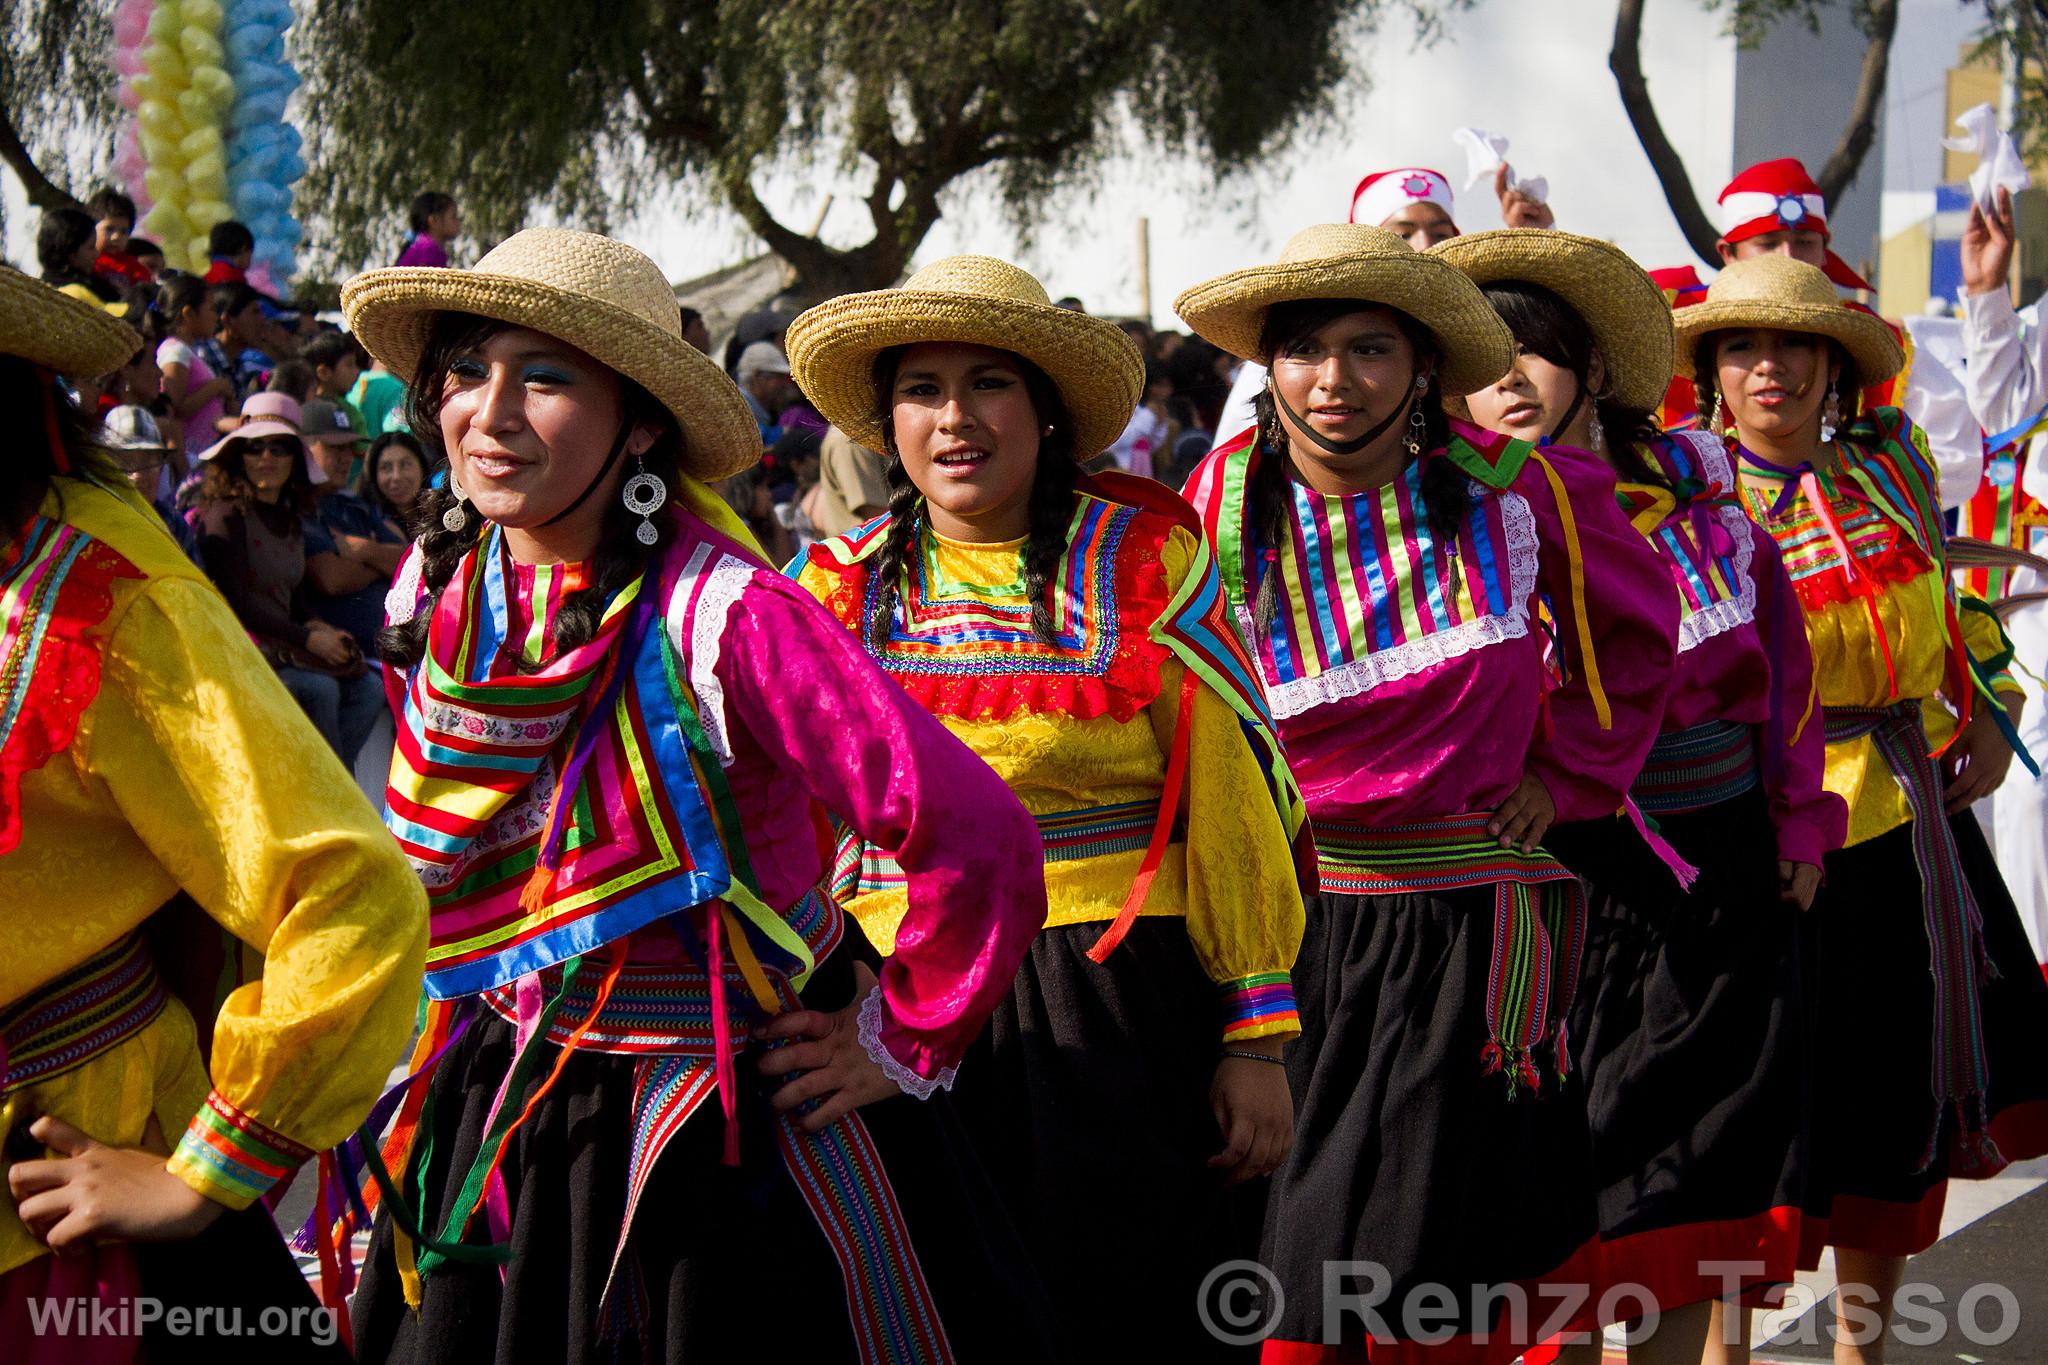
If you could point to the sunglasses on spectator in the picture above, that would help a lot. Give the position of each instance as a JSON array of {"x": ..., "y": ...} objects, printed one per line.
[{"x": 283, "y": 449}]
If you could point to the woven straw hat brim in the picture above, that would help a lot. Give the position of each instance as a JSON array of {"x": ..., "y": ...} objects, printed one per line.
[
  {"x": 1870, "y": 344},
  {"x": 47, "y": 327},
  {"x": 832, "y": 350},
  {"x": 1630, "y": 321},
  {"x": 391, "y": 312},
  {"x": 1475, "y": 346}
]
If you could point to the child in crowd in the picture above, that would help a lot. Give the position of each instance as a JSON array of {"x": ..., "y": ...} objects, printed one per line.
[
  {"x": 199, "y": 398},
  {"x": 232, "y": 248},
  {"x": 113, "y": 215},
  {"x": 336, "y": 364}
]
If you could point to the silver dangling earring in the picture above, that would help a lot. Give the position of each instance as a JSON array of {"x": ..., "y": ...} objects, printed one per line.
[
  {"x": 1417, "y": 423},
  {"x": 1596, "y": 437},
  {"x": 1714, "y": 422},
  {"x": 644, "y": 495},
  {"x": 457, "y": 516},
  {"x": 1830, "y": 415}
]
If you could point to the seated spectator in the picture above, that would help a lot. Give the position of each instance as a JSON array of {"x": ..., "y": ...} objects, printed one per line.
[
  {"x": 256, "y": 493},
  {"x": 293, "y": 378},
  {"x": 763, "y": 324},
  {"x": 231, "y": 247},
  {"x": 436, "y": 221},
  {"x": 113, "y": 215},
  {"x": 393, "y": 475},
  {"x": 336, "y": 362},
  {"x": 763, "y": 376},
  {"x": 695, "y": 330},
  {"x": 183, "y": 317},
  {"x": 747, "y": 493},
  {"x": 1148, "y": 433},
  {"x": 235, "y": 348},
  {"x": 349, "y": 527},
  {"x": 1191, "y": 442},
  {"x": 67, "y": 251},
  {"x": 853, "y": 485},
  {"x": 796, "y": 452},
  {"x": 379, "y": 396},
  {"x": 153, "y": 464},
  {"x": 148, "y": 255}
]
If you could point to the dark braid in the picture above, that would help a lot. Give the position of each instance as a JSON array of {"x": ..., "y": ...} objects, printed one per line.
[
  {"x": 1051, "y": 509},
  {"x": 1269, "y": 497},
  {"x": 620, "y": 556}
]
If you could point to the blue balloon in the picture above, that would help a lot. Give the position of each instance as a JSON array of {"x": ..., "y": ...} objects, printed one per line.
[
  {"x": 247, "y": 43},
  {"x": 258, "y": 106}
]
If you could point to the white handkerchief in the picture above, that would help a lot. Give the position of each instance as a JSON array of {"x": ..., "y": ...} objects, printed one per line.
[
  {"x": 1998, "y": 165},
  {"x": 1484, "y": 153}
]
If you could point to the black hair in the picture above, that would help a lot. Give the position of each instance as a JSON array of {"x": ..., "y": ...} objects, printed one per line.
[
  {"x": 175, "y": 294},
  {"x": 230, "y": 297},
  {"x": 1269, "y": 498},
  {"x": 688, "y": 315},
  {"x": 229, "y": 238},
  {"x": 142, "y": 246},
  {"x": 366, "y": 482},
  {"x": 329, "y": 349},
  {"x": 1543, "y": 323},
  {"x": 425, "y": 205},
  {"x": 293, "y": 377},
  {"x": 620, "y": 556},
  {"x": 30, "y": 394},
  {"x": 58, "y": 237},
  {"x": 1051, "y": 509},
  {"x": 108, "y": 202},
  {"x": 1848, "y": 385}
]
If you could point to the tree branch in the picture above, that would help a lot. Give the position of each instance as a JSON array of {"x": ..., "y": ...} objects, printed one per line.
[
  {"x": 1847, "y": 158},
  {"x": 1626, "y": 62},
  {"x": 43, "y": 193}
]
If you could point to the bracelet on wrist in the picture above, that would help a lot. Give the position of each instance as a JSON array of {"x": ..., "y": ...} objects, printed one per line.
[{"x": 1252, "y": 1056}]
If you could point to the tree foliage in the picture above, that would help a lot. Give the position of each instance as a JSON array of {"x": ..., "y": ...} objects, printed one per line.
[
  {"x": 516, "y": 106},
  {"x": 2016, "y": 33},
  {"x": 56, "y": 95}
]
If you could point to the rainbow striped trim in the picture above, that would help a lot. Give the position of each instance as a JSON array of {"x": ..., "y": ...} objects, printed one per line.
[
  {"x": 1698, "y": 767},
  {"x": 1258, "y": 1006},
  {"x": 861, "y": 869},
  {"x": 67, "y": 1022},
  {"x": 1539, "y": 930},
  {"x": 232, "y": 1156}
]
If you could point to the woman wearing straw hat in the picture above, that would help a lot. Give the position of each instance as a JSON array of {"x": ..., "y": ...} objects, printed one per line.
[
  {"x": 1384, "y": 560},
  {"x": 619, "y": 735},
  {"x": 1924, "y": 975},
  {"x": 159, "y": 791},
  {"x": 1066, "y": 629},
  {"x": 1690, "y": 1034}
]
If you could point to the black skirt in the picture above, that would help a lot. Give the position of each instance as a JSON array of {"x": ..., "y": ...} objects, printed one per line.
[
  {"x": 725, "y": 1263},
  {"x": 1408, "y": 1158},
  {"x": 1690, "y": 1036},
  {"x": 1873, "y": 1005},
  {"x": 1088, "y": 1094}
]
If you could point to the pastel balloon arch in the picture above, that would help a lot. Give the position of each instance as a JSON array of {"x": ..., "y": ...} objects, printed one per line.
[{"x": 207, "y": 82}]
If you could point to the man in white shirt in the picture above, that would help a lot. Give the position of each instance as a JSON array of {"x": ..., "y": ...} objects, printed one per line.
[{"x": 2006, "y": 360}]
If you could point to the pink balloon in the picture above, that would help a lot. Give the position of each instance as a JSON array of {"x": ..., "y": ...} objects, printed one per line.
[
  {"x": 131, "y": 30},
  {"x": 125, "y": 96},
  {"x": 129, "y": 168},
  {"x": 260, "y": 278}
]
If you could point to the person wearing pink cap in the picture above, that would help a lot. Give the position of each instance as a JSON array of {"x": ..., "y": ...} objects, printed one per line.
[
  {"x": 1417, "y": 205},
  {"x": 1776, "y": 207}
]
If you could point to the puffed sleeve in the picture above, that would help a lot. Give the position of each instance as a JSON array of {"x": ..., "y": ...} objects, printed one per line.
[
  {"x": 1810, "y": 820},
  {"x": 1617, "y": 626},
  {"x": 234, "y": 792},
  {"x": 812, "y": 698},
  {"x": 1244, "y": 907}
]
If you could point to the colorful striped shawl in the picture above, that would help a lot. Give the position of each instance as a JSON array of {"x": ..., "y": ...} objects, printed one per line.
[
  {"x": 2004, "y": 513},
  {"x": 1699, "y": 529},
  {"x": 518, "y": 876},
  {"x": 55, "y": 590}
]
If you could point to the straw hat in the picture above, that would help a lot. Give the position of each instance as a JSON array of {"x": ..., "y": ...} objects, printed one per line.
[
  {"x": 1630, "y": 321},
  {"x": 600, "y": 296},
  {"x": 1785, "y": 295},
  {"x": 981, "y": 301},
  {"x": 48, "y": 328},
  {"x": 1372, "y": 265}
]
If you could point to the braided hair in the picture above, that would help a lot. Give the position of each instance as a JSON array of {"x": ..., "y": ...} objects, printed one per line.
[
  {"x": 50, "y": 435},
  {"x": 620, "y": 556},
  {"x": 1269, "y": 497},
  {"x": 1848, "y": 384},
  {"x": 1051, "y": 509},
  {"x": 1543, "y": 323}
]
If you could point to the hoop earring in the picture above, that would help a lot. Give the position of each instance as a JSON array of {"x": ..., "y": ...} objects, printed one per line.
[
  {"x": 1830, "y": 414},
  {"x": 457, "y": 516},
  {"x": 1417, "y": 427},
  {"x": 644, "y": 495}
]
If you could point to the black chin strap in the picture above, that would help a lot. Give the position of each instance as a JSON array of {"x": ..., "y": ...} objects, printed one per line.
[
  {"x": 1571, "y": 414},
  {"x": 618, "y": 449},
  {"x": 1357, "y": 443}
]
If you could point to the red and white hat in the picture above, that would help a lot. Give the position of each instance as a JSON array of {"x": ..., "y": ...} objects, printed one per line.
[
  {"x": 1779, "y": 196},
  {"x": 1383, "y": 194}
]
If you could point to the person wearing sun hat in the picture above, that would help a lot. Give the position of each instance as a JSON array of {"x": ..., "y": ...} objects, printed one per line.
[
  {"x": 1384, "y": 561},
  {"x": 162, "y": 800},
  {"x": 1922, "y": 972},
  {"x": 1690, "y": 1031},
  {"x": 619, "y": 735},
  {"x": 1065, "y": 627}
]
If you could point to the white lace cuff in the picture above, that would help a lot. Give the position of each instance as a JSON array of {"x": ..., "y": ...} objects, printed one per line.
[{"x": 870, "y": 1035}]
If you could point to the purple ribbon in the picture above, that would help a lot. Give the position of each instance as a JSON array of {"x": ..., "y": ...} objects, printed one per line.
[{"x": 1791, "y": 475}]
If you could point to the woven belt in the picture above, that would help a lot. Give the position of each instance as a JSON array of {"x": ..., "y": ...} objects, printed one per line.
[
  {"x": 860, "y": 869},
  {"x": 1961, "y": 1074},
  {"x": 1539, "y": 922},
  {"x": 68, "y": 1021},
  {"x": 1698, "y": 767}
]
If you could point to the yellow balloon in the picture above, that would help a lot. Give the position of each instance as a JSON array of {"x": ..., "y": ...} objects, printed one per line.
[
  {"x": 161, "y": 184},
  {"x": 204, "y": 14},
  {"x": 199, "y": 254},
  {"x": 159, "y": 117},
  {"x": 157, "y": 149},
  {"x": 166, "y": 224},
  {"x": 200, "y": 141},
  {"x": 165, "y": 20},
  {"x": 175, "y": 196},
  {"x": 200, "y": 47},
  {"x": 150, "y": 86},
  {"x": 215, "y": 84},
  {"x": 207, "y": 169},
  {"x": 205, "y": 213},
  {"x": 198, "y": 111},
  {"x": 168, "y": 64}
]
